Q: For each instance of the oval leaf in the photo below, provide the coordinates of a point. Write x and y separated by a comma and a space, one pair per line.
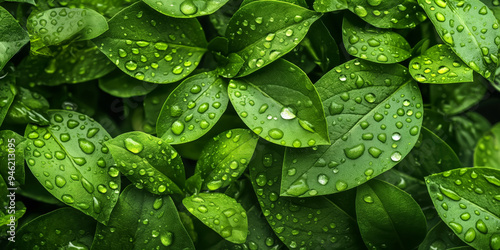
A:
294, 120
70, 160
374, 114
467, 201
193, 108
372, 44
487, 152
221, 213
186, 8
263, 31
142, 220
470, 29
12, 37
148, 162
151, 47
225, 158
384, 213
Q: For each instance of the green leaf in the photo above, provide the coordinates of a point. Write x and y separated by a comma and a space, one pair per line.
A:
372, 44
221, 213
440, 237
121, 85
108, 8
75, 63
329, 5
12, 146
470, 29
411, 185
12, 37
388, 14
467, 201
455, 98
186, 8
299, 223
225, 158
193, 108
294, 120
440, 65
55, 230
263, 31
321, 46
494, 5
69, 159
220, 18
58, 25
148, 162
142, 220
34, 190
148, 46
7, 93
22, 1
28, 107
374, 113
153, 103
10, 211
388, 217
487, 152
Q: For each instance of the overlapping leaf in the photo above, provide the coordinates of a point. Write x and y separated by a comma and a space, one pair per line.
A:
12, 37
121, 85
28, 106
440, 237
487, 152
321, 46
455, 98
7, 93
186, 8
329, 5
12, 147
374, 113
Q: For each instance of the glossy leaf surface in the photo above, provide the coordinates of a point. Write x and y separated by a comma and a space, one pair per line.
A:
121, 85
186, 8
455, 98
28, 106
440, 237
374, 113
292, 120
7, 93
329, 5
12, 147
12, 37
487, 152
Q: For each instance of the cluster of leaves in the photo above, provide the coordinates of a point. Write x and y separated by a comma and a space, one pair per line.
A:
190, 124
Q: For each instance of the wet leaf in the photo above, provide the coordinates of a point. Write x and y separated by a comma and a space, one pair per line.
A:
221, 213
28, 107
374, 114
186, 8
151, 47
440, 237
148, 162
329, 5
225, 158
12, 37
470, 29
308, 222
384, 213
260, 33
7, 94
70, 160
455, 98
12, 147
467, 201
121, 85
321, 46
220, 18
411, 185
293, 120
372, 44
153, 103
142, 220
108, 8
193, 108
487, 152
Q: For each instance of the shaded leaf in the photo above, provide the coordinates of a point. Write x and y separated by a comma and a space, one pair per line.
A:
108, 8
121, 85
220, 18
153, 103
12, 146
7, 94
487, 152
321, 46
12, 37
186, 8
440, 237
329, 5
456, 98
28, 107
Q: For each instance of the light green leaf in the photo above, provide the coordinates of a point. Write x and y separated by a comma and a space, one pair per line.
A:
385, 214
193, 108
470, 29
299, 223
28, 107
70, 160
59, 229
12, 37
374, 113
388, 14
467, 201
141, 220
440, 237
440, 65
221, 213
225, 158
453, 99
148, 162
121, 85
12, 146
294, 120
148, 46
7, 93
263, 31
487, 152
372, 44
329, 5
186, 8
59, 25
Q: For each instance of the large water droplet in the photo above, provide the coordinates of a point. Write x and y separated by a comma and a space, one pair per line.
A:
188, 7
133, 146
86, 146
287, 113
355, 151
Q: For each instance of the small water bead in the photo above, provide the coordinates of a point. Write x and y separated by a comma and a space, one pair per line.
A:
131, 65
275, 133
396, 156
396, 136
323, 179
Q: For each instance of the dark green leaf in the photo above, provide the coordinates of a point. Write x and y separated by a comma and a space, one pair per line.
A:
299, 223
107, 8
221, 213
487, 152
467, 201
141, 220
148, 162
12, 37
12, 147
7, 94
321, 46
411, 185
374, 114
153, 103
440, 237
71, 161
294, 120
22, 1
148, 46
225, 158
388, 217
28, 107
494, 5
121, 85
455, 98
329, 5
470, 29
193, 108
186, 8
10, 211
220, 18
34, 190
263, 31
373, 44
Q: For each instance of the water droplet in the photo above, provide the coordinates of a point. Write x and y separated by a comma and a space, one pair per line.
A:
275, 133
368, 199
449, 193
287, 113
298, 187
167, 238
360, 11
340, 186
396, 156
86, 146
131, 65
67, 198
323, 179
335, 108
133, 146
188, 8
60, 181
177, 127
354, 152
470, 235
